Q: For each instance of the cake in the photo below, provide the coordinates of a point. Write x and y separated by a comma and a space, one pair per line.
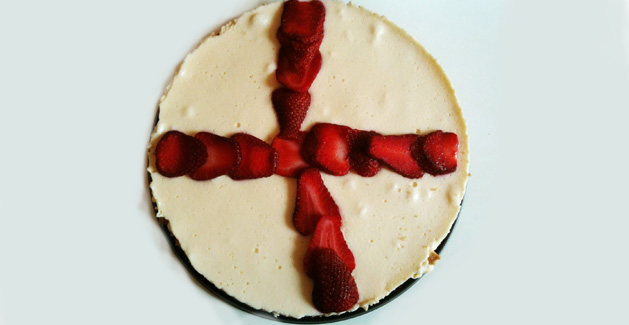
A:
239, 234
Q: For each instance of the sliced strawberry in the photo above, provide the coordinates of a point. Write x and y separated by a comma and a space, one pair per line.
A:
299, 47
223, 155
313, 201
327, 147
328, 234
363, 164
290, 163
437, 152
291, 109
258, 158
303, 21
178, 154
359, 159
396, 152
334, 289
297, 72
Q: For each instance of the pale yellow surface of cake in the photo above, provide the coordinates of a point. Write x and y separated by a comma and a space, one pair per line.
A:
240, 234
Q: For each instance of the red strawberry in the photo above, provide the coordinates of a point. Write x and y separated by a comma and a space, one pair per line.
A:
298, 47
359, 159
396, 152
297, 72
290, 163
313, 201
437, 151
291, 109
364, 165
328, 235
327, 147
178, 154
223, 155
334, 287
258, 158
302, 21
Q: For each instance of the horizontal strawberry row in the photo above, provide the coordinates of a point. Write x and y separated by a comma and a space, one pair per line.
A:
206, 156
337, 149
332, 148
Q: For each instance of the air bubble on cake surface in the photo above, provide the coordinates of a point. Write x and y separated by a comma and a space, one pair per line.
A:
188, 112
349, 35
271, 67
413, 195
453, 194
425, 194
163, 127
326, 111
377, 30
259, 21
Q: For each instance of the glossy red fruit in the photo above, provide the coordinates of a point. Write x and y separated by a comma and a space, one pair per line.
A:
291, 109
290, 163
178, 154
313, 202
328, 235
327, 147
223, 156
437, 152
299, 47
302, 21
395, 151
334, 289
297, 72
363, 164
257, 158
359, 159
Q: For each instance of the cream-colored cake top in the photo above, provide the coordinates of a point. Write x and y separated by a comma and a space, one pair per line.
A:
240, 234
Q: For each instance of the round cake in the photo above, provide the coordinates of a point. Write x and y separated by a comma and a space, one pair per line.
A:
239, 234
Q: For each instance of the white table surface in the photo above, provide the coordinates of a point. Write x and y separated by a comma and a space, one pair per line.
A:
542, 237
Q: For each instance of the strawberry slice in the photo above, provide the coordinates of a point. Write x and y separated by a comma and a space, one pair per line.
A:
396, 152
302, 21
359, 159
328, 235
327, 147
178, 154
297, 72
291, 109
334, 288
290, 163
437, 152
258, 158
223, 155
313, 201
299, 47
364, 165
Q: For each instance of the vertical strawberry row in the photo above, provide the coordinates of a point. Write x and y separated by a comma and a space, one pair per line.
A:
300, 35
328, 261
299, 60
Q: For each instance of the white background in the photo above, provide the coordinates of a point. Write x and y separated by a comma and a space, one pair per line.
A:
542, 238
